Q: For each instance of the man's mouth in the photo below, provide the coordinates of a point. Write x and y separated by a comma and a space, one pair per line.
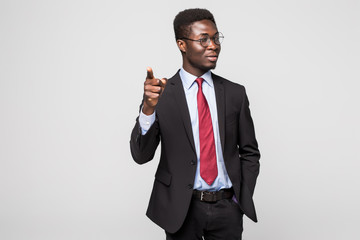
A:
212, 58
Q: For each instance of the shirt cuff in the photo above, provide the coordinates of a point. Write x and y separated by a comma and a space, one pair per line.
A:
146, 121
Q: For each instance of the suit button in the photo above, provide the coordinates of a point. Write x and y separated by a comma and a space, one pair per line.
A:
192, 162
190, 186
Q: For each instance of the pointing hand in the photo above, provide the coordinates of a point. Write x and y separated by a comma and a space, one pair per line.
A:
153, 88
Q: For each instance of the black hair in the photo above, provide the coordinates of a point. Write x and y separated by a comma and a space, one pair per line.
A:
184, 19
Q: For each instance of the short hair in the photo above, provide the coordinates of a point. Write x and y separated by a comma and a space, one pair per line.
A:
184, 19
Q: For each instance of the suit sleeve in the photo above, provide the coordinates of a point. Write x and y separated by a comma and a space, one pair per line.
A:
143, 147
248, 146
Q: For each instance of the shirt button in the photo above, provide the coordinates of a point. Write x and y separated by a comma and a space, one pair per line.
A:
148, 123
190, 186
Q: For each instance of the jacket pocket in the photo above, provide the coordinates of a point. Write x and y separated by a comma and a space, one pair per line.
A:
163, 176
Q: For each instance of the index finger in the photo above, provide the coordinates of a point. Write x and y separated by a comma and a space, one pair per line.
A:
150, 74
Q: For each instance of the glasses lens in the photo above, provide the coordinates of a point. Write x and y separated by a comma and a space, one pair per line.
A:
219, 39
205, 41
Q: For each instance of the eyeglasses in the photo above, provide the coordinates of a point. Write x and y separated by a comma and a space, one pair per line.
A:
205, 40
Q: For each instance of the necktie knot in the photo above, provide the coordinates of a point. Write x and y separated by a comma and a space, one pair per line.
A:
199, 81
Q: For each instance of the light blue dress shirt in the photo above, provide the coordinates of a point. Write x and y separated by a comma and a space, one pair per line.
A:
191, 89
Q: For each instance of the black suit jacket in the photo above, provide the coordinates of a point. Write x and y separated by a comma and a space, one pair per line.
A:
174, 178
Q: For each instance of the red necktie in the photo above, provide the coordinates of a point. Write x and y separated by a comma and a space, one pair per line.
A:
208, 165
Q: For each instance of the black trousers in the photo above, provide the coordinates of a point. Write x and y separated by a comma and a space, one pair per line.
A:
222, 220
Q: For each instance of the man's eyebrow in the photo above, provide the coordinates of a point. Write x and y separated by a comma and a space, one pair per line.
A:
206, 34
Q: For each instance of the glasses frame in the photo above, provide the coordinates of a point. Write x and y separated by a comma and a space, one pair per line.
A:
218, 35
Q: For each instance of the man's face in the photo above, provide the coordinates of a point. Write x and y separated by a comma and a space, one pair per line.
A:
198, 59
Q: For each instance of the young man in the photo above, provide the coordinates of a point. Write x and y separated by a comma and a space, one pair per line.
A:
209, 155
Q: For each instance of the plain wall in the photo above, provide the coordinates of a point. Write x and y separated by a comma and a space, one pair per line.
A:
71, 81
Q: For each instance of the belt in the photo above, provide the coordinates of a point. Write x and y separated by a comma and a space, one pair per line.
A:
206, 196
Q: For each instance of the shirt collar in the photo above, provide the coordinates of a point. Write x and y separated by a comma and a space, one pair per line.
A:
188, 79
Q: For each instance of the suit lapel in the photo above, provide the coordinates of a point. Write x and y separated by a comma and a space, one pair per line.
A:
178, 89
220, 105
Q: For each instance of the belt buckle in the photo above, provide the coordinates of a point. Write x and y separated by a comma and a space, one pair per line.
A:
207, 196
202, 196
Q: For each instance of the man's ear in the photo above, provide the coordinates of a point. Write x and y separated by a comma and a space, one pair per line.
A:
181, 45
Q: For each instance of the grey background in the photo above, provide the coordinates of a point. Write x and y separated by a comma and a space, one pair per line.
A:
71, 78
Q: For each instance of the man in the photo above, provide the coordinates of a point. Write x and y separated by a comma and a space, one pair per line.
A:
209, 155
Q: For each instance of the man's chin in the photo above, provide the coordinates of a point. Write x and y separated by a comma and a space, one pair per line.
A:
212, 66
209, 66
